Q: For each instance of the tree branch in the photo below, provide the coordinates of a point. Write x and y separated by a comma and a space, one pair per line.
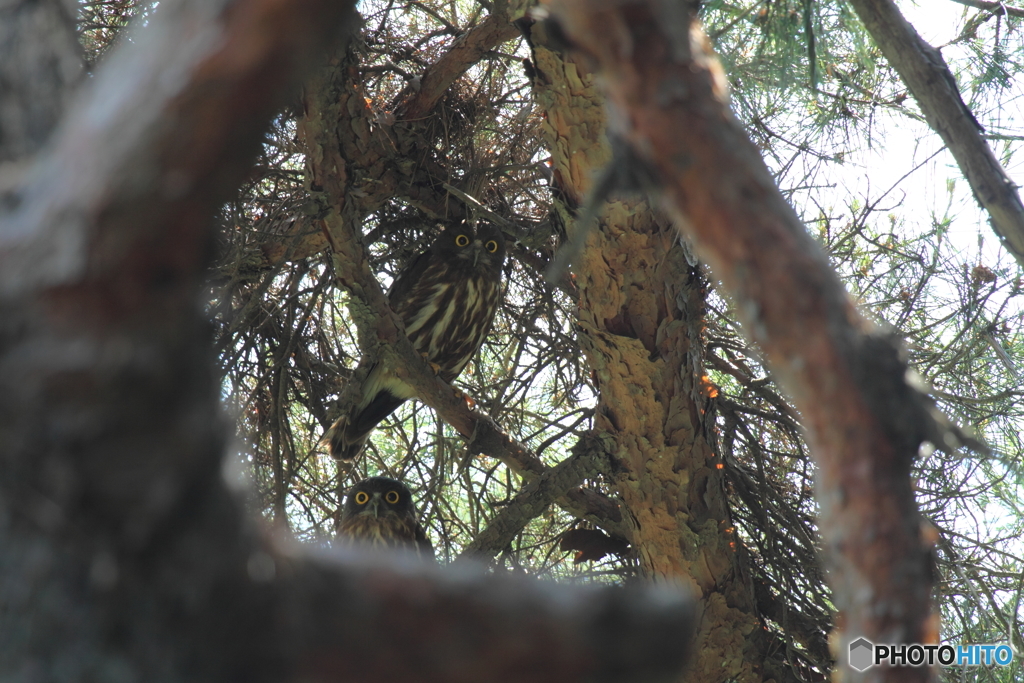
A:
40, 60
847, 380
299, 240
391, 618
993, 7
417, 101
587, 461
924, 71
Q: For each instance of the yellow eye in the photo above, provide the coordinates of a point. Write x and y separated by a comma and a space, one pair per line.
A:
362, 497
492, 246
461, 240
391, 497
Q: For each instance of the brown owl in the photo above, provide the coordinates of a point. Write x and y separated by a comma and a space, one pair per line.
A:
379, 512
447, 297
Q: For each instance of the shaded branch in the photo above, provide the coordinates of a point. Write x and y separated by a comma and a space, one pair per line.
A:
993, 7
465, 52
810, 633
587, 461
452, 626
367, 143
40, 60
924, 71
300, 240
847, 380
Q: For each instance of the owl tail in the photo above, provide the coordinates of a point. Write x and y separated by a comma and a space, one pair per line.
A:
349, 433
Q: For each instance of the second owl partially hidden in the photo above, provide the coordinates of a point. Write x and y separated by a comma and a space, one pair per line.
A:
446, 297
379, 512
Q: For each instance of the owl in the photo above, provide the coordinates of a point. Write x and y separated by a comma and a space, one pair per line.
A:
447, 297
379, 512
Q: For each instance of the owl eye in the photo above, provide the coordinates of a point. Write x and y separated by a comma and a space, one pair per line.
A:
492, 246
362, 497
391, 497
461, 240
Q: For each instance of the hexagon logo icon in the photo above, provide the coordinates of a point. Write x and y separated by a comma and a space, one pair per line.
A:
861, 654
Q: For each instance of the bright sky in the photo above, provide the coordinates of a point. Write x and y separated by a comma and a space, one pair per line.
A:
938, 22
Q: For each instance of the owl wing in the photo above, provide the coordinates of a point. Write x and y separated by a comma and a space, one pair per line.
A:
407, 279
382, 393
423, 544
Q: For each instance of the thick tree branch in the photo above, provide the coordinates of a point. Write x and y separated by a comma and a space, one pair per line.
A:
847, 380
121, 551
924, 71
386, 620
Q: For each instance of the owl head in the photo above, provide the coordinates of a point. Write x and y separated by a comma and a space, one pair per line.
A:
379, 497
379, 512
480, 248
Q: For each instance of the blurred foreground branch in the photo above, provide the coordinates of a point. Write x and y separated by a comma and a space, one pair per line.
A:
122, 552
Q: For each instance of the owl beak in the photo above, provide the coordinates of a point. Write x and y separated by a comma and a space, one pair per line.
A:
375, 504
477, 247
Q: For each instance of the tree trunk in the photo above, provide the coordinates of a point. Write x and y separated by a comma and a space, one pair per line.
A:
641, 322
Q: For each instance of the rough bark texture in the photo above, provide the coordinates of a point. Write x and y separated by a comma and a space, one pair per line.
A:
123, 556
847, 380
641, 316
924, 71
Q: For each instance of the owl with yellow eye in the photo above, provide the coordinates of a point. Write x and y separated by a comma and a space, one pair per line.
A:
446, 297
379, 512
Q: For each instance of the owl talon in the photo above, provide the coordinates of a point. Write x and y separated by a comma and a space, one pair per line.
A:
465, 397
433, 366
